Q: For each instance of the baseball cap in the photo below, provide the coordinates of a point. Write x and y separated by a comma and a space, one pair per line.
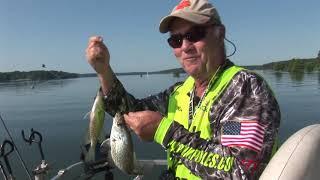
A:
196, 11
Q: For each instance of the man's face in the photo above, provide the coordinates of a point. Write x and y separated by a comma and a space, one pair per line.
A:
199, 59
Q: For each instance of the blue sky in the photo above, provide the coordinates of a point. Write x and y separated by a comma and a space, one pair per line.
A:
55, 33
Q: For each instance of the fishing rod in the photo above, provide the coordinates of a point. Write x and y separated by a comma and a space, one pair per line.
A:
90, 170
106, 167
4, 153
3, 172
16, 149
41, 170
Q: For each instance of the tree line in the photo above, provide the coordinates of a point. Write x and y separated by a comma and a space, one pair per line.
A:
295, 65
35, 75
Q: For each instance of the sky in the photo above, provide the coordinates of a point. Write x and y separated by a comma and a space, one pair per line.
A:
56, 33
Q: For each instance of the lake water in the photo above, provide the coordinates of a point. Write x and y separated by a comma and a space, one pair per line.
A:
56, 109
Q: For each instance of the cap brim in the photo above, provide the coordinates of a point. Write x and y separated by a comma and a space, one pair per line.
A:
192, 17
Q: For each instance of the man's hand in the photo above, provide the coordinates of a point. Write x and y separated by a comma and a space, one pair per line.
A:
98, 55
143, 123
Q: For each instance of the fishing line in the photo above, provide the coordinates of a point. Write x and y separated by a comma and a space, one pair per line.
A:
62, 172
16, 149
57, 77
234, 46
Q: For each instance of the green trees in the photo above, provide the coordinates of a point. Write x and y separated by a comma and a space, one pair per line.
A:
295, 65
279, 66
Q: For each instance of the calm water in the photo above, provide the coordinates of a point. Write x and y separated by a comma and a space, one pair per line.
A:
56, 109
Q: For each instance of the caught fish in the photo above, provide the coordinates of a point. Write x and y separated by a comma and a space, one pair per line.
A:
97, 116
121, 145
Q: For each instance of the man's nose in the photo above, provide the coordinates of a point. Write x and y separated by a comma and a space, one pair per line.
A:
186, 45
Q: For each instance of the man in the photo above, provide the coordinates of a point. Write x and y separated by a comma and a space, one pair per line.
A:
220, 123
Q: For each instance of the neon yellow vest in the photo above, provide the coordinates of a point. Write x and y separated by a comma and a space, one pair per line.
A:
178, 110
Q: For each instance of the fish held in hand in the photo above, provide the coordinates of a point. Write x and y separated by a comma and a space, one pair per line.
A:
121, 144
97, 116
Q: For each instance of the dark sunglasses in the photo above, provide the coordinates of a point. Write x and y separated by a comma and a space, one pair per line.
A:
195, 34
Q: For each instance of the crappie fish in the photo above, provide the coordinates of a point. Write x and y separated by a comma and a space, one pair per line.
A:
97, 115
121, 146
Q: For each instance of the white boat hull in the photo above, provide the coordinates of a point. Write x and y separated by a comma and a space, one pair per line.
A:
298, 158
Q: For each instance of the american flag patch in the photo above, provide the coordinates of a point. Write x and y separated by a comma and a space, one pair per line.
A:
249, 134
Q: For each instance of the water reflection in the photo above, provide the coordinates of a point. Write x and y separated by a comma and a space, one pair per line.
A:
278, 75
29, 85
296, 76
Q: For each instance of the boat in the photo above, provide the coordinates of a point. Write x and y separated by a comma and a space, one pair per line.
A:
298, 157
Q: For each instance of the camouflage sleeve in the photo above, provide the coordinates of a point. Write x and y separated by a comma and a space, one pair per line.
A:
244, 120
119, 100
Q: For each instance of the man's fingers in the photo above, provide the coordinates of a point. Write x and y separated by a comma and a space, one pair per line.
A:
96, 41
96, 49
95, 38
131, 117
96, 44
130, 120
126, 117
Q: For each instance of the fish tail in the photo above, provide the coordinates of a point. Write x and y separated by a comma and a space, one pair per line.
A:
91, 154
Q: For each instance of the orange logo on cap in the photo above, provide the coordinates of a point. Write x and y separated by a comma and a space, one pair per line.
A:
183, 4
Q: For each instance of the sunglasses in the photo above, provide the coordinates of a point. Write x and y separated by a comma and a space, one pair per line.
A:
195, 34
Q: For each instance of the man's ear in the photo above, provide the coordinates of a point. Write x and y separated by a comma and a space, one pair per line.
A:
221, 32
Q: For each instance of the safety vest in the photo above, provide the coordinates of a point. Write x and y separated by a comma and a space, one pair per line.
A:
178, 110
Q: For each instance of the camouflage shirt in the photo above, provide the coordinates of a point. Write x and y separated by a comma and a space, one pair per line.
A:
247, 98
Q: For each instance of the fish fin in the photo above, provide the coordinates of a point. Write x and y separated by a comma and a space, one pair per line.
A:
86, 115
96, 153
86, 136
105, 149
105, 146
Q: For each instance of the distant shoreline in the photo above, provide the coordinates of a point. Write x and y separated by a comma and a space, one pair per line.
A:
293, 65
